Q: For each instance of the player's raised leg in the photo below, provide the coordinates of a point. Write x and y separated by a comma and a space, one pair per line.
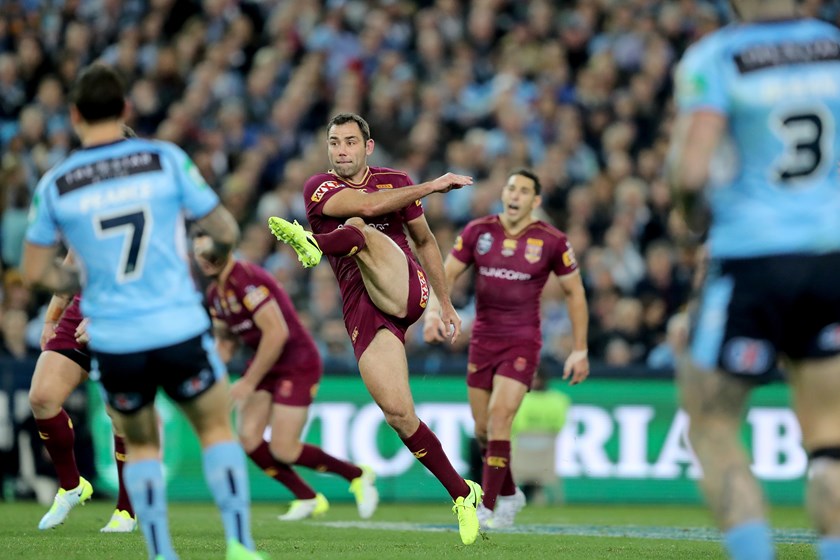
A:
55, 377
384, 370
816, 400
381, 261
714, 402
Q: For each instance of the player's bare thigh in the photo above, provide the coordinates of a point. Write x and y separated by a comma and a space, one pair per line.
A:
55, 377
208, 413
711, 395
384, 270
815, 386
384, 370
505, 400
287, 424
253, 417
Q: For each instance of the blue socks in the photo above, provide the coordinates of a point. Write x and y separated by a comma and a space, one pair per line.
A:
147, 490
829, 548
224, 471
750, 541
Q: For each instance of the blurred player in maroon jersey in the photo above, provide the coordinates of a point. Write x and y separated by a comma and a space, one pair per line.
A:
512, 255
63, 366
360, 215
249, 306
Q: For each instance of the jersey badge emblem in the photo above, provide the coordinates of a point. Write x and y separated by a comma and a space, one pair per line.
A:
533, 250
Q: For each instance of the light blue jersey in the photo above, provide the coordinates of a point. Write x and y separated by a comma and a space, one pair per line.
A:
778, 84
121, 208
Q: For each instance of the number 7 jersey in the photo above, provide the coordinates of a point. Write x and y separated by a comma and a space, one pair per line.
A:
121, 207
778, 85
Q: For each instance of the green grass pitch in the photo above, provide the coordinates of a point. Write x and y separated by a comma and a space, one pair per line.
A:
402, 531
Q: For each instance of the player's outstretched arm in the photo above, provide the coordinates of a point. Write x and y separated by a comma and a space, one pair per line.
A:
434, 329
350, 203
429, 254
576, 368
222, 228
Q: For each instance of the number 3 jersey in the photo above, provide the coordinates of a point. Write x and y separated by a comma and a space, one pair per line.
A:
778, 84
121, 207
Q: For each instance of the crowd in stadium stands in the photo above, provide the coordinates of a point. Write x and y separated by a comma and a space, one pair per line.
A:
580, 91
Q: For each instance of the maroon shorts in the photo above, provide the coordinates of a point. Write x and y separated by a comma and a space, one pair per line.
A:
363, 319
293, 388
64, 341
508, 357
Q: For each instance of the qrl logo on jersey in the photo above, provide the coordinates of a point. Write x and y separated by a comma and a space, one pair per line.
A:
424, 289
322, 190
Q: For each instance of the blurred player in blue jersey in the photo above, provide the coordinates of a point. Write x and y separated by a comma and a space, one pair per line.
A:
767, 91
120, 205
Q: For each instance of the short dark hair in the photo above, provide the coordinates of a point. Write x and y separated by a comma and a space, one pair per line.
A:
98, 94
344, 118
530, 175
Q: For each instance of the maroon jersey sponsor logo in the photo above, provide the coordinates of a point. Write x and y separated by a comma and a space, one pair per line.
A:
508, 247
424, 289
242, 327
255, 295
503, 273
459, 244
533, 250
322, 190
569, 259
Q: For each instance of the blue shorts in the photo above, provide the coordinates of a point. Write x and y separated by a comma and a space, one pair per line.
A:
184, 371
753, 311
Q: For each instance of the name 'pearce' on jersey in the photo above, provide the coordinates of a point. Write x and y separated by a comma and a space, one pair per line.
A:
106, 201
778, 84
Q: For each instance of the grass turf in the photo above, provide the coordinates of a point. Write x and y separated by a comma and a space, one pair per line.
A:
198, 535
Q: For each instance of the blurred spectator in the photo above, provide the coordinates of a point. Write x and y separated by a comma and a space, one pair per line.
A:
578, 90
13, 327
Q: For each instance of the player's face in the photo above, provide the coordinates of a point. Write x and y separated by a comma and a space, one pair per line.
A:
348, 150
519, 198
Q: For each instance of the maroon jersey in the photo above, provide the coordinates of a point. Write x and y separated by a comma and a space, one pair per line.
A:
320, 188
247, 289
511, 272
